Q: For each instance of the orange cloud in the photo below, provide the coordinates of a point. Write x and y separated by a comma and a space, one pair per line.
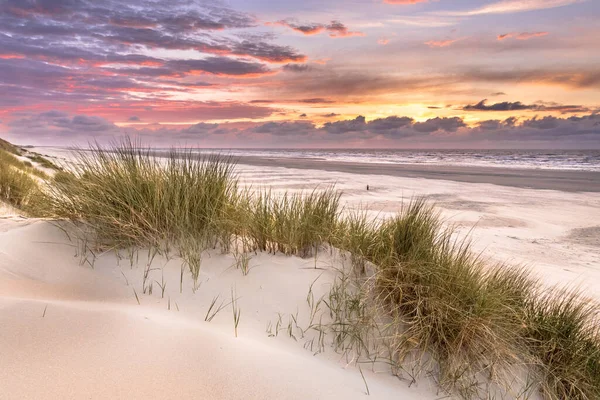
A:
441, 43
305, 29
521, 35
383, 41
11, 56
338, 30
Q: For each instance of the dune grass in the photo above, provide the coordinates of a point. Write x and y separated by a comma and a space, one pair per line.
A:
7, 158
16, 187
292, 223
8, 147
19, 184
42, 161
435, 304
131, 197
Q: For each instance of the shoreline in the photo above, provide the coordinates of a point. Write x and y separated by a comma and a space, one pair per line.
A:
561, 180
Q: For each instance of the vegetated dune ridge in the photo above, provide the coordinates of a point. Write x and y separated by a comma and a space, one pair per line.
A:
70, 331
412, 264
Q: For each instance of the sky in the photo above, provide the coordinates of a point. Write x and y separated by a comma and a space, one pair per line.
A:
302, 73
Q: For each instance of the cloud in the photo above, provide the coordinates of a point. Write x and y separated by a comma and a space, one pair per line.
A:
220, 66
268, 52
296, 128
316, 100
201, 128
338, 30
341, 127
335, 28
571, 78
59, 124
403, 2
330, 115
440, 124
296, 67
521, 35
110, 29
498, 94
548, 122
305, 29
441, 43
512, 6
517, 106
395, 131
133, 119
383, 41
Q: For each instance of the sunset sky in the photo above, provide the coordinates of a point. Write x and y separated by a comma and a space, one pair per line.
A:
302, 73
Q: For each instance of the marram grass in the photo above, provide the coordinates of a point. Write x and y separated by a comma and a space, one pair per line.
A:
437, 305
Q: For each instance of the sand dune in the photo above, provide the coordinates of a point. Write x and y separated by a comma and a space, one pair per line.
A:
71, 331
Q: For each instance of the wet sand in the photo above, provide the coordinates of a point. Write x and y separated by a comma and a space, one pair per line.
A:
567, 181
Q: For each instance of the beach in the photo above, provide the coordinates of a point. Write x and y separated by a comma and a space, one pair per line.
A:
556, 233
545, 179
84, 324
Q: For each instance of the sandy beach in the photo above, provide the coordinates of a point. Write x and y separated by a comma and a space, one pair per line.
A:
556, 233
74, 325
563, 180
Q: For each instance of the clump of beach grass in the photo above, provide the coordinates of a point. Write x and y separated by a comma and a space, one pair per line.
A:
17, 186
292, 223
562, 332
133, 198
11, 159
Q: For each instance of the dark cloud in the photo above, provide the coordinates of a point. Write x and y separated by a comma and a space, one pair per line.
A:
390, 125
335, 28
268, 52
297, 67
285, 128
504, 106
306, 28
219, 66
134, 119
554, 132
439, 124
338, 30
339, 127
498, 94
316, 100
330, 115
517, 105
548, 122
58, 123
202, 128
80, 50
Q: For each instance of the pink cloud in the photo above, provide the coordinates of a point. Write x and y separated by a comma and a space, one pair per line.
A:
305, 29
521, 35
383, 41
335, 28
321, 61
404, 1
441, 43
338, 30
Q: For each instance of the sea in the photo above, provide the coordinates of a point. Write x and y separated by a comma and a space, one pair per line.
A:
579, 160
